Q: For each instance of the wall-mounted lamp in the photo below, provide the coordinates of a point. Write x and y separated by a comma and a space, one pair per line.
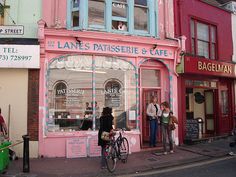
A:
154, 46
78, 40
182, 53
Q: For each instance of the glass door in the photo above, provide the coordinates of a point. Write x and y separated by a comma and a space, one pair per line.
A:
209, 112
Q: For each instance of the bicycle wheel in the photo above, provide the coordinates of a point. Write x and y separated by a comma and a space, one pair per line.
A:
110, 158
124, 150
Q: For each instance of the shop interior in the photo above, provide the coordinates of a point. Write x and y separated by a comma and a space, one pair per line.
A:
200, 113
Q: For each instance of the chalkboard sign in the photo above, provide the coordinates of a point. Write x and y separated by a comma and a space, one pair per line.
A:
192, 129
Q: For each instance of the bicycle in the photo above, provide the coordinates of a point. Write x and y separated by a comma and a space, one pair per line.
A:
116, 149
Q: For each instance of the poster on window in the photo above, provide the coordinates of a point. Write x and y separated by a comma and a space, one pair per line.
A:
76, 147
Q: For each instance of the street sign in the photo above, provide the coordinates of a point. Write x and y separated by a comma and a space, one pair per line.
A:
12, 30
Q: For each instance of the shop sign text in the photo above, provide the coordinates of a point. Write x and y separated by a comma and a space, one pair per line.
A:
109, 48
19, 56
11, 30
212, 67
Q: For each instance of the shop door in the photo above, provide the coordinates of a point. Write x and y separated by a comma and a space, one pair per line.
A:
225, 111
147, 95
209, 112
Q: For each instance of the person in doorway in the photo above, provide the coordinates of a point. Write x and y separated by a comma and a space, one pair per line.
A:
106, 124
153, 112
3, 127
165, 129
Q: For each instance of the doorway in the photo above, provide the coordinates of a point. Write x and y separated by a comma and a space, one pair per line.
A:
201, 105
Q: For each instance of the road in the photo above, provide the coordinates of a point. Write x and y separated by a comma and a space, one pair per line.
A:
224, 167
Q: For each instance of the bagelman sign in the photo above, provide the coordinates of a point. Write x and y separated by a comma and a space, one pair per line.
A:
208, 67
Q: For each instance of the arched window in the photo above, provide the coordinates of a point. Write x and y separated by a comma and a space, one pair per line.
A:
113, 93
60, 90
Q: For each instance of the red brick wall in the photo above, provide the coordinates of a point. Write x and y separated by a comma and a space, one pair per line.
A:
33, 104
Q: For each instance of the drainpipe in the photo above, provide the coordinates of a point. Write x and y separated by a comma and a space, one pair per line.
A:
180, 40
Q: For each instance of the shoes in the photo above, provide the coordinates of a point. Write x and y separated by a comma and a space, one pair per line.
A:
103, 167
165, 153
171, 151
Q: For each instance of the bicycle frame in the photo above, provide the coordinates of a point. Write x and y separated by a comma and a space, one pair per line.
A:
115, 143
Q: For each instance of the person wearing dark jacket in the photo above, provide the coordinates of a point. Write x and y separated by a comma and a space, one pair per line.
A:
106, 122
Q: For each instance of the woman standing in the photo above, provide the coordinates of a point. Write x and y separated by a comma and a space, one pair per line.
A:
106, 122
166, 132
153, 111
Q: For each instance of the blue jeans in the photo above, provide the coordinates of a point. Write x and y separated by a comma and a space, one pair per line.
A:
153, 132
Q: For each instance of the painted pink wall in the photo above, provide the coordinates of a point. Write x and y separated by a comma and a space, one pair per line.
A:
185, 9
54, 11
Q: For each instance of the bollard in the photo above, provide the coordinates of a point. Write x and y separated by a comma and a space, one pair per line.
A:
26, 165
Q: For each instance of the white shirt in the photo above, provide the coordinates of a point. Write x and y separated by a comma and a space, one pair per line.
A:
151, 110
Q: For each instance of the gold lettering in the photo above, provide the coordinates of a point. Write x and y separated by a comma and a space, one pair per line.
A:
230, 69
204, 67
199, 65
213, 67
224, 69
208, 66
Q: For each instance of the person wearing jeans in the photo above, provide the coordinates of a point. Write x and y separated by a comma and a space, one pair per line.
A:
153, 111
166, 132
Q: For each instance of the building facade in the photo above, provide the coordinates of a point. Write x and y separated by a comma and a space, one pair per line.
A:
207, 73
103, 53
19, 70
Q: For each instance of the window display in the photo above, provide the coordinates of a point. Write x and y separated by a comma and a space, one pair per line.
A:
71, 82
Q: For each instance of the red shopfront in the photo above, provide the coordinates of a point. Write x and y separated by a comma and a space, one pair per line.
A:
207, 99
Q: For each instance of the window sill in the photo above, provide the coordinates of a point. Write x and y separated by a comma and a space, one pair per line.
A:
82, 133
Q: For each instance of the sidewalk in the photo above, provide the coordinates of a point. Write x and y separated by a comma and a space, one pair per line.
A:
137, 162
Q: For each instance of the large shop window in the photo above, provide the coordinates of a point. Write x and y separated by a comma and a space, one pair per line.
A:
80, 86
118, 16
203, 39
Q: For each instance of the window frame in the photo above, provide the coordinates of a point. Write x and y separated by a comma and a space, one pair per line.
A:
152, 11
194, 39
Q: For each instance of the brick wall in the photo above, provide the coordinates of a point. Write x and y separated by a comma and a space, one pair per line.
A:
33, 104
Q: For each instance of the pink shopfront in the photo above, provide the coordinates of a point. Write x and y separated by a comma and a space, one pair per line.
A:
82, 72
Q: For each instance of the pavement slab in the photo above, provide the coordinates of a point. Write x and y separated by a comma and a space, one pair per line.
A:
137, 162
